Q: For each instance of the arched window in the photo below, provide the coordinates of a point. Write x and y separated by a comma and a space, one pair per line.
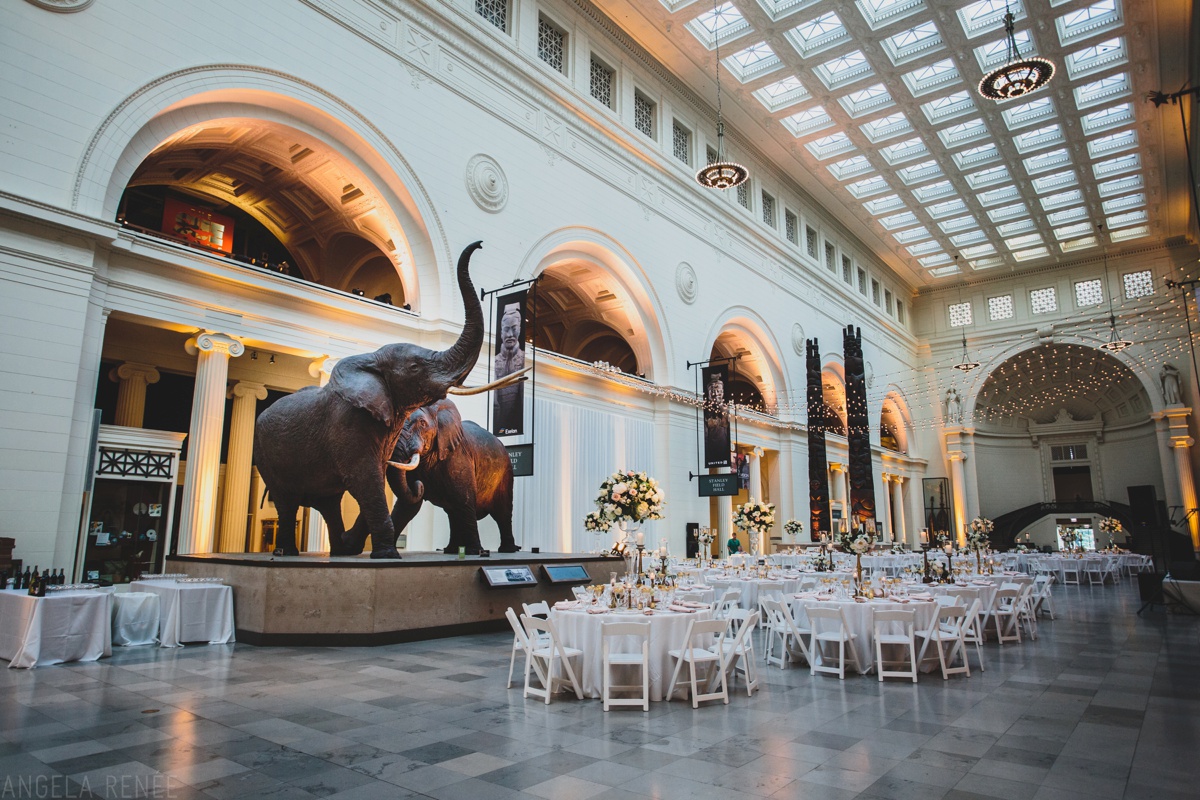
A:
580, 316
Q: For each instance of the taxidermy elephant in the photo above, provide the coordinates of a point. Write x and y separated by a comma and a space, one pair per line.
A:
464, 470
313, 446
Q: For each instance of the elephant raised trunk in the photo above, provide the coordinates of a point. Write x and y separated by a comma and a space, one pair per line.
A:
456, 363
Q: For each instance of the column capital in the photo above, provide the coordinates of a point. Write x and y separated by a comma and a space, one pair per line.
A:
1182, 441
133, 369
956, 455
1172, 413
247, 389
835, 466
212, 342
322, 367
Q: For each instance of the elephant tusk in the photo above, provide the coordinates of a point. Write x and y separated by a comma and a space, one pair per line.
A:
499, 383
411, 465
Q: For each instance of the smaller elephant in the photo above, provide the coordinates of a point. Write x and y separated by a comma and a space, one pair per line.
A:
464, 470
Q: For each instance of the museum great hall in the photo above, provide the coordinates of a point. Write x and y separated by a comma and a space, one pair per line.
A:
207, 207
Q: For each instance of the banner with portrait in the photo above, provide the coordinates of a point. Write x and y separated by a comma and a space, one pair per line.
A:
508, 404
197, 225
717, 443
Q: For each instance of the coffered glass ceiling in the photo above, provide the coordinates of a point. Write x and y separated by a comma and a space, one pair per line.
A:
880, 97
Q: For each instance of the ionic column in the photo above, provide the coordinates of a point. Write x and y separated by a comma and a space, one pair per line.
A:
132, 379
756, 492
1187, 485
898, 532
837, 491
958, 480
724, 519
197, 517
317, 540
236, 498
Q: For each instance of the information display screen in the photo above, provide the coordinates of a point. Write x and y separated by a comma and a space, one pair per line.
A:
513, 575
566, 573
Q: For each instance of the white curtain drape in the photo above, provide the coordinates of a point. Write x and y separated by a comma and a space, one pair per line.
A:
576, 449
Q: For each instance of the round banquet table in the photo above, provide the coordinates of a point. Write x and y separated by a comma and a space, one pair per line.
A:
858, 620
581, 630
748, 587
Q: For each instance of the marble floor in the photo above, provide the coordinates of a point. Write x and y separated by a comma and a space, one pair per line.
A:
1105, 705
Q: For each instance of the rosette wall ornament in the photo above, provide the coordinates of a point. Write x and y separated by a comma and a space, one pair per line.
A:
487, 183
62, 6
1018, 76
719, 173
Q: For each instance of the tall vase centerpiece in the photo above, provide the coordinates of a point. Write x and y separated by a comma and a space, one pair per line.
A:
755, 519
627, 499
856, 542
793, 528
705, 540
1112, 527
979, 538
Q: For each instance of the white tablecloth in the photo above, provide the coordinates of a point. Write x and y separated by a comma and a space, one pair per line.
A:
135, 619
581, 630
748, 587
191, 612
62, 626
858, 620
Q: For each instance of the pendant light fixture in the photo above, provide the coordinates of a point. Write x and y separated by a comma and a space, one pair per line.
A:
720, 174
1115, 343
966, 365
1019, 76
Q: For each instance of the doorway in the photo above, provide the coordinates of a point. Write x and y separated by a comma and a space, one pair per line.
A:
1073, 484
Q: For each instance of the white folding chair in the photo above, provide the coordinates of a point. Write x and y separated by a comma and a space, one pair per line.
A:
728, 602
707, 652
738, 652
541, 610
768, 590
520, 643
1003, 615
944, 600
1026, 618
1042, 595
947, 627
545, 650
885, 624
791, 635
808, 583
1070, 571
829, 627
973, 631
640, 630
1093, 569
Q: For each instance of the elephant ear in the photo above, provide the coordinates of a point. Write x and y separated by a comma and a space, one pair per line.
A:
359, 381
449, 428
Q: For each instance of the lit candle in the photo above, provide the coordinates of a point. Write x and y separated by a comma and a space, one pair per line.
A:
641, 538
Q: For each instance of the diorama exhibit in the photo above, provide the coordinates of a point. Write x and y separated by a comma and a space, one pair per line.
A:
599, 398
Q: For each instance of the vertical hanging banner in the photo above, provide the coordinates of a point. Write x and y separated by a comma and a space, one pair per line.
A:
717, 443
508, 404
818, 467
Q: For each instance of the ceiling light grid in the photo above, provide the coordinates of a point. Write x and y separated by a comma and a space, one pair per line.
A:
878, 96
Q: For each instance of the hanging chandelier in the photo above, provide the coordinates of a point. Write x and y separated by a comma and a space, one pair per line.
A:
966, 365
1019, 76
1115, 343
720, 174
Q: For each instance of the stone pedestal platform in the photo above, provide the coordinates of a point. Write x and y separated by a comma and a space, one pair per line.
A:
338, 601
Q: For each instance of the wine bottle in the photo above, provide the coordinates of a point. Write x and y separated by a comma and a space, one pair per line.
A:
3, 579
62, 577
25, 580
32, 588
43, 583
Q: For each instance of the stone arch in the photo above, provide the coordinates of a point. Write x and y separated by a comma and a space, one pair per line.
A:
833, 392
207, 93
895, 418
1128, 358
626, 303
741, 329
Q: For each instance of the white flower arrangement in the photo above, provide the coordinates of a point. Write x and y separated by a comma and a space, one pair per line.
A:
793, 527
855, 542
821, 561
754, 517
978, 533
898, 548
1110, 525
626, 496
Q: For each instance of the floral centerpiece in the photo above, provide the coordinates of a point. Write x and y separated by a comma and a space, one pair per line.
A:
1111, 526
821, 562
626, 499
755, 518
1069, 539
856, 542
793, 527
978, 537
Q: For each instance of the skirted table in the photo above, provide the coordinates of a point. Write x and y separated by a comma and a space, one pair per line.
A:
72, 625
191, 612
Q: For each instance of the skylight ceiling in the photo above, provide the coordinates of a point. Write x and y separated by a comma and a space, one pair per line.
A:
879, 98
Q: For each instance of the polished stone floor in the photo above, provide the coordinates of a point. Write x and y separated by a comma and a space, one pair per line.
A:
1105, 705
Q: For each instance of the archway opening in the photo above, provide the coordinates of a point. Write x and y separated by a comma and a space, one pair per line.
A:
893, 425
264, 194
833, 396
581, 314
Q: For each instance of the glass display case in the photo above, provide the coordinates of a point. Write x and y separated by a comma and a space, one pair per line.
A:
131, 509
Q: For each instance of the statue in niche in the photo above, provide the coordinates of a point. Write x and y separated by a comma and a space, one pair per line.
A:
953, 407
1169, 378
